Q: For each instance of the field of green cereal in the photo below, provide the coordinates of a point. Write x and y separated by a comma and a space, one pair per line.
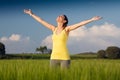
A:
81, 69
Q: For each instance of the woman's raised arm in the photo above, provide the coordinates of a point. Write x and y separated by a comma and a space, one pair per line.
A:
75, 26
37, 18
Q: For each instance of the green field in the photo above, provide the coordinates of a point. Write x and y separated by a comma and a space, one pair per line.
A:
38, 69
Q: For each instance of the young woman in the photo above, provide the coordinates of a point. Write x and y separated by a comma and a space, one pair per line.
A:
60, 54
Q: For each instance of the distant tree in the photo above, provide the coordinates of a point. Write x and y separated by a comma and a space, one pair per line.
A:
41, 49
113, 52
101, 54
49, 51
2, 49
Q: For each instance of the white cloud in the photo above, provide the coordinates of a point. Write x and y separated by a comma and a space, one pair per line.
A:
17, 43
94, 38
4, 39
47, 41
15, 37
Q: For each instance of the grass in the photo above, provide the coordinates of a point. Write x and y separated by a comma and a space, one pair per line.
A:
81, 69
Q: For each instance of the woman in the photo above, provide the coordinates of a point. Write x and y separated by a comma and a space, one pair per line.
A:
60, 55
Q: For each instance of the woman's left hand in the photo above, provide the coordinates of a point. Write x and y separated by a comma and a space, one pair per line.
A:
96, 18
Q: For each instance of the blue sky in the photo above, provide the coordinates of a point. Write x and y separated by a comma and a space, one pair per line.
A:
20, 33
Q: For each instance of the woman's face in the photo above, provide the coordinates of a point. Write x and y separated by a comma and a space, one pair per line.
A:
61, 19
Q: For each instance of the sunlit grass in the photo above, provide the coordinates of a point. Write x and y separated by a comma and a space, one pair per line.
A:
81, 69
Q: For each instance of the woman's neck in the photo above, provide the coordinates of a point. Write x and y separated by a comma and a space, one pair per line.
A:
60, 26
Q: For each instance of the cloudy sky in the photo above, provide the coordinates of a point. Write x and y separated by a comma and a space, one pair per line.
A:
21, 33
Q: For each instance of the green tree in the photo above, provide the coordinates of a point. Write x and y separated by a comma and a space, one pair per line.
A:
113, 52
101, 54
2, 49
42, 49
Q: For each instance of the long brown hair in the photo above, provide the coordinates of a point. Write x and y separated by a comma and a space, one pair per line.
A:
65, 24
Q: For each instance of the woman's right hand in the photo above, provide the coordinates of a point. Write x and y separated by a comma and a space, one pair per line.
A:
29, 11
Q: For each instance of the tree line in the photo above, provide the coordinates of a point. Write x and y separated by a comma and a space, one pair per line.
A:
111, 52
2, 49
43, 50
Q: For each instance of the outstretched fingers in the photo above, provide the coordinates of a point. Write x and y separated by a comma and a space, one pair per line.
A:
96, 18
28, 11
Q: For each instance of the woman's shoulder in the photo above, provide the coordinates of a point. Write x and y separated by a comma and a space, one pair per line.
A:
54, 29
66, 31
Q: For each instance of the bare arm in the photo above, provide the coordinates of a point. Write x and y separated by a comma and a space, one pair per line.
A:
75, 26
49, 26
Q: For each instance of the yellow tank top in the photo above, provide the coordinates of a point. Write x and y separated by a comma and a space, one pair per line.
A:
60, 50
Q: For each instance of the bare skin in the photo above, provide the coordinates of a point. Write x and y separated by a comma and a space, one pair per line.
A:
60, 22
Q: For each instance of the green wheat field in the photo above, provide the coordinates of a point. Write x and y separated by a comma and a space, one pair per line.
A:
81, 69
